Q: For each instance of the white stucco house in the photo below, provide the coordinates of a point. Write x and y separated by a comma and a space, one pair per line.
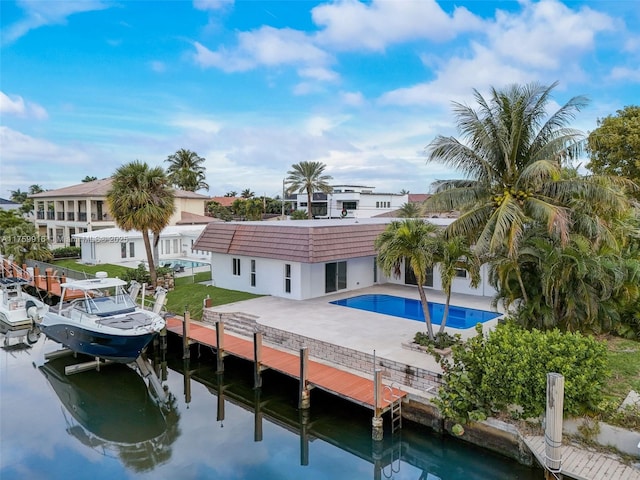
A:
113, 245
307, 258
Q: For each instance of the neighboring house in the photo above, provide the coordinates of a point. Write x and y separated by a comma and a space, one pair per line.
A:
60, 214
224, 201
350, 201
113, 245
305, 259
8, 204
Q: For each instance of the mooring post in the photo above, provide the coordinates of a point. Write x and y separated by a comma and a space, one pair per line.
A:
553, 425
257, 416
377, 431
305, 396
304, 437
25, 274
220, 345
257, 359
48, 273
36, 277
163, 354
185, 334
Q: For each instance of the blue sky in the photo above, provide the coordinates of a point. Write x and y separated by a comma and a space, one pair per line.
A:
255, 86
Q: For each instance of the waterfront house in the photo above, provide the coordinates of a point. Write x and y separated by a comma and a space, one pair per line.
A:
305, 259
60, 214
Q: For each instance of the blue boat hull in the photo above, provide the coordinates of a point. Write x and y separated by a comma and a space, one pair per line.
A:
117, 348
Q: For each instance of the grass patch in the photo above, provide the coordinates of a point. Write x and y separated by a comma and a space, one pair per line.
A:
191, 296
191, 279
624, 364
112, 270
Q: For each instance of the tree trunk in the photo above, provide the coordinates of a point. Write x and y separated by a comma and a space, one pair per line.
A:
147, 247
425, 310
309, 196
445, 314
156, 255
524, 292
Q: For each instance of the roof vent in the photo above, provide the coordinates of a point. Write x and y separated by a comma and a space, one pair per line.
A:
101, 275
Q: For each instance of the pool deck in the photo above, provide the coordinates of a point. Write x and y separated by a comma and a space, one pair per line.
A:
357, 329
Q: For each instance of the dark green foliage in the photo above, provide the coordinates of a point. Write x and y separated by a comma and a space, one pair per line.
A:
66, 252
441, 340
508, 368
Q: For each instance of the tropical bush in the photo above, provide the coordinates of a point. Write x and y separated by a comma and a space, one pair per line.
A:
506, 370
66, 252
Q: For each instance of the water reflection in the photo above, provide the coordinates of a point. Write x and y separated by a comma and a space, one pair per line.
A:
112, 412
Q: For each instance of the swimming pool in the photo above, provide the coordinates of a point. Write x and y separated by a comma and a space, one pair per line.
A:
185, 264
459, 317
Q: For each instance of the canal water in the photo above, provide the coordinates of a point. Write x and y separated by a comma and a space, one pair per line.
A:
107, 425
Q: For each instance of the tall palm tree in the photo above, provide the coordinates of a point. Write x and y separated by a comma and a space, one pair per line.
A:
142, 199
18, 196
409, 210
512, 154
247, 193
186, 170
415, 242
308, 177
25, 242
455, 254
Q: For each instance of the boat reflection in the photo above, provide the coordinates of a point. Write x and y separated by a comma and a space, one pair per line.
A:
112, 412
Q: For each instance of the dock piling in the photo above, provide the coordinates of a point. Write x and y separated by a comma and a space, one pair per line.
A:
185, 334
220, 345
377, 430
553, 425
305, 395
257, 359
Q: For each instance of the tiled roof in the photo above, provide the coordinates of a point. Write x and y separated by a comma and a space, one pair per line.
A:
99, 188
304, 243
188, 218
224, 201
418, 197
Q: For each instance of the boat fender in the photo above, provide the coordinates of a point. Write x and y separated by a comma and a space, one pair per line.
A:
32, 310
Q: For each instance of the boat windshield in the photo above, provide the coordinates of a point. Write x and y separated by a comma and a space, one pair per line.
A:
118, 302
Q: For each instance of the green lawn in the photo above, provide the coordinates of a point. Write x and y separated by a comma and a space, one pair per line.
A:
624, 363
112, 270
191, 297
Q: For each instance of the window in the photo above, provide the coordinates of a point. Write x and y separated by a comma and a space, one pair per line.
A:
123, 250
349, 205
287, 278
377, 204
236, 267
253, 273
176, 246
461, 273
335, 276
167, 246
303, 204
132, 249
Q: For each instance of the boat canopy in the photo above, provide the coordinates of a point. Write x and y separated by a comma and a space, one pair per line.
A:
94, 284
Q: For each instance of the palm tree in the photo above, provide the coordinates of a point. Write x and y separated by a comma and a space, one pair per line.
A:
186, 170
409, 210
89, 178
308, 177
455, 254
18, 196
415, 242
141, 199
512, 155
24, 242
247, 193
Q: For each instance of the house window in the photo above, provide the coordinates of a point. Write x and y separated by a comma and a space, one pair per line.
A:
335, 276
176, 246
236, 267
167, 246
287, 278
303, 204
461, 273
132, 249
377, 204
349, 205
253, 273
123, 250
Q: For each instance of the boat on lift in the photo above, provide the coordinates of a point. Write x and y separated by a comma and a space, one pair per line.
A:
20, 313
101, 320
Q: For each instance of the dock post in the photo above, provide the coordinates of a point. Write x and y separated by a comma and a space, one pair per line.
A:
377, 430
257, 416
220, 411
163, 354
553, 425
185, 334
220, 345
305, 395
48, 272
24, 274
36, 276
257, 359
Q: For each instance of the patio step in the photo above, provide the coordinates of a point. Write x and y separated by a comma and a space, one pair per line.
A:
243, 324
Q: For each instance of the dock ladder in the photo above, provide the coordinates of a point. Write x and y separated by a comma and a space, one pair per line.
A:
396, 408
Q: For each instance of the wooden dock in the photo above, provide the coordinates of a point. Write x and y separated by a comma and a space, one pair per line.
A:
344, 384
582, 464
49, 282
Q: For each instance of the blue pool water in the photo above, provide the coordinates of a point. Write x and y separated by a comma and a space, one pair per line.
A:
187, 263
459, 317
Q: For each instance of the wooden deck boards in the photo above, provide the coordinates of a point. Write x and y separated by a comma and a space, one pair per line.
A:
331, 379
583, 464
54, 286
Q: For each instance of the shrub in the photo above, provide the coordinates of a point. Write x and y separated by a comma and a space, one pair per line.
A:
509, 367
139, 274
66, 252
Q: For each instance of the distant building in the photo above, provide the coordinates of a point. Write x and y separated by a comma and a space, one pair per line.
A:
60, 214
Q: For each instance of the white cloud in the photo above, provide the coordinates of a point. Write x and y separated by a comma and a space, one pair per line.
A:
212, 4
18, 147
353, 99
624, 73
15, 105
353, 25
197, 123
40, 13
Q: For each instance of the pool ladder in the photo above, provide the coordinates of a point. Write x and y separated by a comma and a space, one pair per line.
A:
396, 407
